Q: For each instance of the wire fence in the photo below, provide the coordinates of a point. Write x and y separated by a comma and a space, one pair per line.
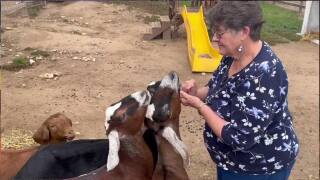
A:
11, 7
292, 5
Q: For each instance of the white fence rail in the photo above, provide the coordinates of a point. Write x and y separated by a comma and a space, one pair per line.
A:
293, 5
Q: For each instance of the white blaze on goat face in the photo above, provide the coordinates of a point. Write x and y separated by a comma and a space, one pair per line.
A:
170, 135
150, 112
114, 146
109, 112
167, 81
142, 97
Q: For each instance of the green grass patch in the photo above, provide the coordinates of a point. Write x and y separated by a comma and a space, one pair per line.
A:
281, 25
33, 11
187, 3
149, 19
17, 64
152, 7
28, 49
40, 53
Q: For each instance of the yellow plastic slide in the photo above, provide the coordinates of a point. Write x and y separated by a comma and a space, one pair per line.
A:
202, 56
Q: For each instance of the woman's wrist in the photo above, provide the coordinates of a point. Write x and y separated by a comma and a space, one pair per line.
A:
201, 106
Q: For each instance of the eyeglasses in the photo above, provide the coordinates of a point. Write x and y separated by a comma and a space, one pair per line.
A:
218, 35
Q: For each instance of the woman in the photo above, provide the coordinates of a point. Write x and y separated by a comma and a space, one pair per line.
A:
248, 127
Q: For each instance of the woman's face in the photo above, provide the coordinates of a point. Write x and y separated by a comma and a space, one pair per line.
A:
227, 40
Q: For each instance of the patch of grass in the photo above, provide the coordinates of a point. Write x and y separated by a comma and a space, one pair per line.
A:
281, 25
273, 39
152, 7
40, 53
33, 11
28, 49
17, 64
149, 19
187, 3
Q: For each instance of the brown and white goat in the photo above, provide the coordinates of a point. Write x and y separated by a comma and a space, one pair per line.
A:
129, 157
56, 129
163, 117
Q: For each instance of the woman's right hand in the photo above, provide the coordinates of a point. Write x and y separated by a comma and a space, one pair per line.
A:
190, 100
190, 87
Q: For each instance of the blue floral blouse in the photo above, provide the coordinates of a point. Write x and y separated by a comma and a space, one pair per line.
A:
259, 138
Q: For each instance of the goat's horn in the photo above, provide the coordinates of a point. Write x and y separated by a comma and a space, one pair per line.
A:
170, 135
114, 146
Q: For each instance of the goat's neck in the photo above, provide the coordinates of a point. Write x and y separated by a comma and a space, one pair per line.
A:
170, 163
135, 154
133, 144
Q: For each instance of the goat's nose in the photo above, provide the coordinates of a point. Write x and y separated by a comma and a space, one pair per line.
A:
173, 75
175, 80
71, 133
171, 81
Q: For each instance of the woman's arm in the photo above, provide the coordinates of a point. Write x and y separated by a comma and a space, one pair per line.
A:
214, 121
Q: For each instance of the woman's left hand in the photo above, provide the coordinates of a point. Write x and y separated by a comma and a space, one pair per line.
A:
190, 100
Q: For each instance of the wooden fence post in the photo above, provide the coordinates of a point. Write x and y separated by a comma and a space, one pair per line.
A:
300, 7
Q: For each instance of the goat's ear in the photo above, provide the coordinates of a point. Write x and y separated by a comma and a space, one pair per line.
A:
41, 136
153, 86
114, 146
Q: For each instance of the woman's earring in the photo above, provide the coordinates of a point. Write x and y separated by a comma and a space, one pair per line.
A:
240, 49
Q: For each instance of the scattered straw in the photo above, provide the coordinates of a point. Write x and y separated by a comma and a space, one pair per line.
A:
17, 139
310, 36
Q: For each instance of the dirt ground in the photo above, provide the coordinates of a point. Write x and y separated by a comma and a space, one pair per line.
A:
98, 52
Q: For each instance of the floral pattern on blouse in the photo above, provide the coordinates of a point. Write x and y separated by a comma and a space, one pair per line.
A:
259, 137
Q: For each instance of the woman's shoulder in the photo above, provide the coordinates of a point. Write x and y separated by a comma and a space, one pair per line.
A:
267, 51
267, 61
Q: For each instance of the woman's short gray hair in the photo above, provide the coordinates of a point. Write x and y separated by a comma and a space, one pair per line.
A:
236, 15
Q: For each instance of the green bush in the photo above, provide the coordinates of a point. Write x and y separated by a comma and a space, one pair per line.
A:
17, 64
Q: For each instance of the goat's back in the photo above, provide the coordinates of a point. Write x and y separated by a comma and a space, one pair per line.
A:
66, 160
135, 163
11, 161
